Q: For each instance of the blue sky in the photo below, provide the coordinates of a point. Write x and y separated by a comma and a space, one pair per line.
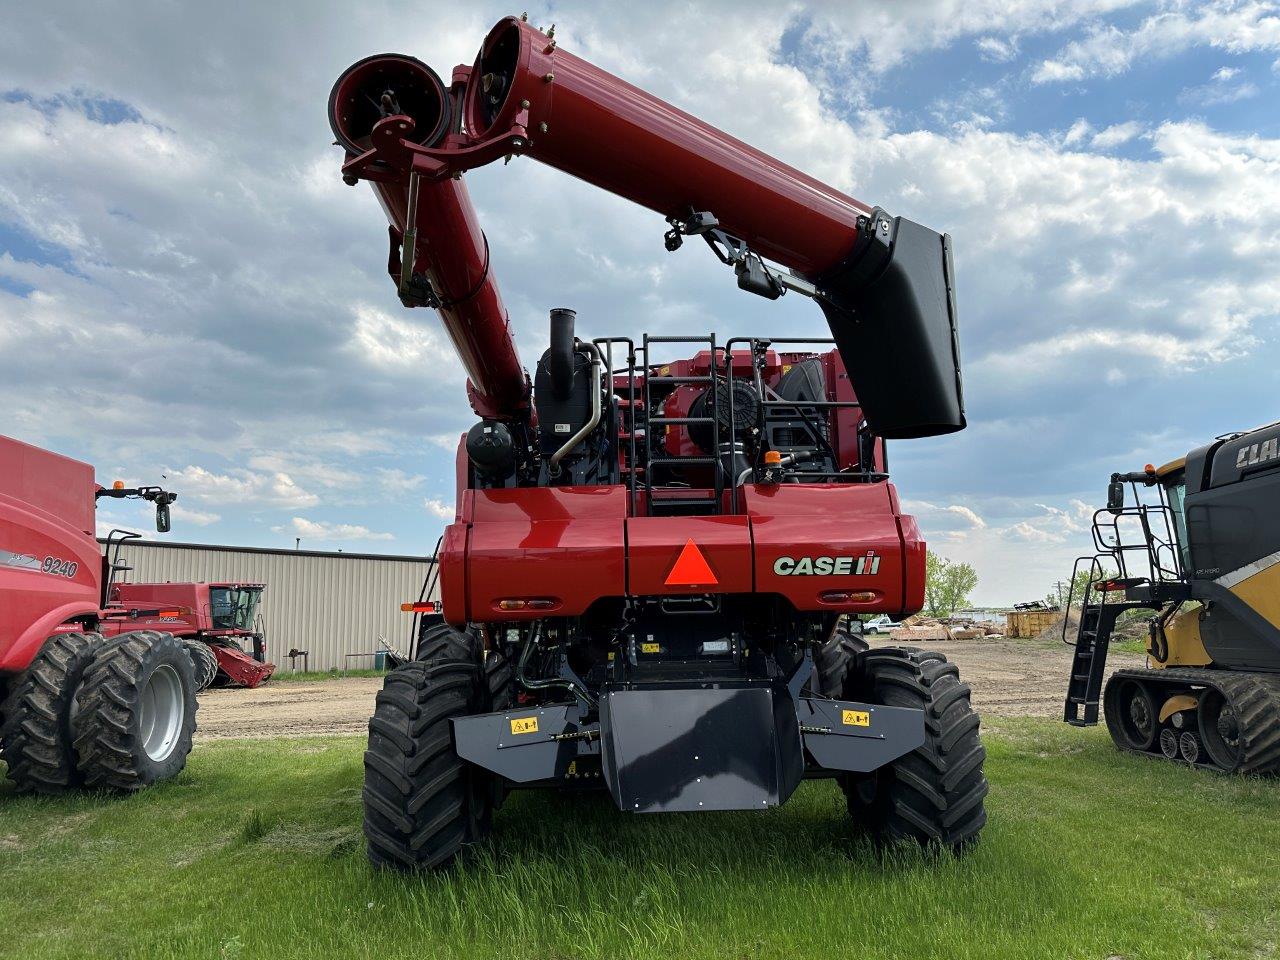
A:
187, 290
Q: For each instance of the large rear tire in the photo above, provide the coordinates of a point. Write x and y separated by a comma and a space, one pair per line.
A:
933, 795
137, 712
36, 738
423, 804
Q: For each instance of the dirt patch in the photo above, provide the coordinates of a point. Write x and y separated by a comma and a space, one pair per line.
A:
325, 707
1011, 678
1016, 678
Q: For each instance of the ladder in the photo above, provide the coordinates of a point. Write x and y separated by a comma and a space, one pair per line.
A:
1093, 638
674, 500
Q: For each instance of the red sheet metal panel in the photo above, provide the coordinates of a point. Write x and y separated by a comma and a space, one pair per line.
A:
558, 545
656, 544
814, 542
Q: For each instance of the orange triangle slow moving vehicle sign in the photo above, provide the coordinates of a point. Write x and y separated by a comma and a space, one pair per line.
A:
691, 569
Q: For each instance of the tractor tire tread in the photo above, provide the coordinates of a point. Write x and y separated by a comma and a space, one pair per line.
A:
934, 794
417, 808
35, 738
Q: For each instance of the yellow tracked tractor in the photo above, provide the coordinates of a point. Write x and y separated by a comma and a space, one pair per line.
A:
1198, 542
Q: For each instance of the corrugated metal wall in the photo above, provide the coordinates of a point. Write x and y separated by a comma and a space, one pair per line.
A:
331, 604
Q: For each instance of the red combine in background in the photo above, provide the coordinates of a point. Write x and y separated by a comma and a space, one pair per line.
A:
644, 584
216, 620
76, 708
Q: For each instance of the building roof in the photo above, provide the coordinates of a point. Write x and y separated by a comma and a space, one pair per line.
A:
282, 551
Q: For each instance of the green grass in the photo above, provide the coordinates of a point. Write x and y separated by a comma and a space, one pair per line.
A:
1137, 647
255, 851
313, 676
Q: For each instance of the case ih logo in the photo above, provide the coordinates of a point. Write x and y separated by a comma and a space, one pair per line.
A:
1256, 453
827, 566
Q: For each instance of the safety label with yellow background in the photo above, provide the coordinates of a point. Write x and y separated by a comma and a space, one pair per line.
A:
855, 718
524, 725
650, 648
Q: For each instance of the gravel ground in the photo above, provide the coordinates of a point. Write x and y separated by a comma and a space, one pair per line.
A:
1010, 678
1016, 678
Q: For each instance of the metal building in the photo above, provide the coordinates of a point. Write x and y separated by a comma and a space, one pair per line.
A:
330, 604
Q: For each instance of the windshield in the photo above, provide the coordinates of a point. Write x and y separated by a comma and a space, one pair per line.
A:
234, 608
1177, 493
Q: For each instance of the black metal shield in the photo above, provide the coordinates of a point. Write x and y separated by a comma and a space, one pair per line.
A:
692, 749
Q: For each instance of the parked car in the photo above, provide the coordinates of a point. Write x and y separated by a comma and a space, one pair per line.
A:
880, 624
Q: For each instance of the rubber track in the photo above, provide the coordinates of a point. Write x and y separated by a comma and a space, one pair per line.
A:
1255, 698
35, 738
106, 735
417, 813
933, 795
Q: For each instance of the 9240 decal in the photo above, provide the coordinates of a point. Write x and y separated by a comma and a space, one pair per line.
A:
54, 566
59, 567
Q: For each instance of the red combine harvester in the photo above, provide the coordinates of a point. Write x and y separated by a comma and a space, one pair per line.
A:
653, 552
75, 708
214, 620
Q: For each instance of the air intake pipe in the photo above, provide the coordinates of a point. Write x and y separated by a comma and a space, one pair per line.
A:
560, 356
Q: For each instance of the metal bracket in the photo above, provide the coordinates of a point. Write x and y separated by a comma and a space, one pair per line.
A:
413, 288
392, 153
754, 275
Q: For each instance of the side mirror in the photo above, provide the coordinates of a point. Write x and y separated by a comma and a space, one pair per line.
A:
1115, 496
163, 520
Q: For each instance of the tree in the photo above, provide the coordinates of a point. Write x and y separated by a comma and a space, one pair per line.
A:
1076, 587
947, 585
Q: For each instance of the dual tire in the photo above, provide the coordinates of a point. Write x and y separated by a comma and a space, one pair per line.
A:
203, 662
117, 714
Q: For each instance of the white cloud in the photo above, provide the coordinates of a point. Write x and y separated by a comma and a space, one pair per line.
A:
1221, 88
397, 482
1116, 134
319, 530
1078, 131
240, 488
438, 508
1107, 50
886, 34
997, 49
200, 518
407, 343
967, 514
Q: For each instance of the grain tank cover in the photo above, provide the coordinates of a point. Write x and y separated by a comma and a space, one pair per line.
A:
53, 484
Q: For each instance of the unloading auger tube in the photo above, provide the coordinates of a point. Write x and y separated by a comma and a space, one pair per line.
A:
884, 283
